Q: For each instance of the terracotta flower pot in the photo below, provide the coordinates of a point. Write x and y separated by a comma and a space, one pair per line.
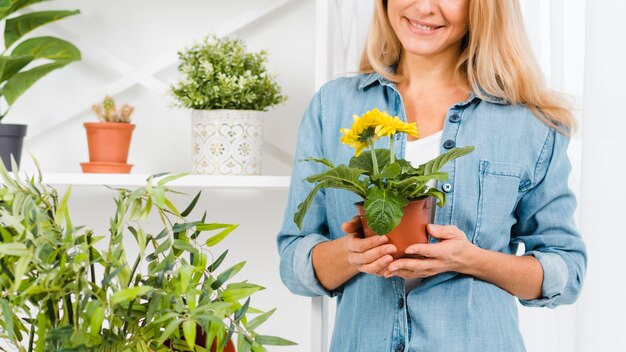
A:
108, 143
412, 228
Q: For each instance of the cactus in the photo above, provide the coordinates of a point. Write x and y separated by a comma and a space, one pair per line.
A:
107, 111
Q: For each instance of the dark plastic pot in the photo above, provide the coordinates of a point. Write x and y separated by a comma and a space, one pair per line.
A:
11, 141
412, 228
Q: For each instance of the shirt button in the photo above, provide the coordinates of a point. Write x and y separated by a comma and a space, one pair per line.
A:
400, 303
455, 118
397, 136
449, 144
399, 347
447, 187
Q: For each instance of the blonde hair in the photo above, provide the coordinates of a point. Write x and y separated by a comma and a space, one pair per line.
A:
496, 58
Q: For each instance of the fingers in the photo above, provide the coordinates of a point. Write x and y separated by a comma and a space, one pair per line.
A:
444, 232
370, 255
412, 268
352, 226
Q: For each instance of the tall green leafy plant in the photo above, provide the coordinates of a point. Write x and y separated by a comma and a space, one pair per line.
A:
24, 62
58, 292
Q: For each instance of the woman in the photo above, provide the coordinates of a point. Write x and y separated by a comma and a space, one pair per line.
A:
463, 71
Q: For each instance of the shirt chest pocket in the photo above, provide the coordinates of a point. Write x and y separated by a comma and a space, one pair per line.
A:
501, 185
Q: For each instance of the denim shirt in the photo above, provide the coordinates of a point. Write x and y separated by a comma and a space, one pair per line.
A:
511, 190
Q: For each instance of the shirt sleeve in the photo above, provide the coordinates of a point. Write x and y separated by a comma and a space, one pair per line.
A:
294, 245
546, 227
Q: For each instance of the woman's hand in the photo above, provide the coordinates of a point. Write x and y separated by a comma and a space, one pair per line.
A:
369, 255
450, 254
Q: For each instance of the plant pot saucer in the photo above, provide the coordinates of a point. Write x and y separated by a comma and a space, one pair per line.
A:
97, 167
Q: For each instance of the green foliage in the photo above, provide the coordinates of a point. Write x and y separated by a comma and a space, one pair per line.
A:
59, 292
24, 63
218, 73
385, 192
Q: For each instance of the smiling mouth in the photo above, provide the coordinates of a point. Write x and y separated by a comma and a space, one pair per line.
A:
423, 27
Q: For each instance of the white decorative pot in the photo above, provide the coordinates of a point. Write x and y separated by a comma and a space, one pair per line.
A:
227, 142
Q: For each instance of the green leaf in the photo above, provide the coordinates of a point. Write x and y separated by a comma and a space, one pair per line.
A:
20, 270
298, 217
217, 262
390, 171
220, 236
8, 7
191, 205
13, 249
185, 273
47, 48
169, 330
16, 27
170, 178
10, 65
273, 340
226, 275
242, 311
254, 323
322, 161
341, 177
235, 292
189, 330
438, 195
364, 160
436, 164
383, 210
20, 82
96, 321
7, 315
61, 211
130, 293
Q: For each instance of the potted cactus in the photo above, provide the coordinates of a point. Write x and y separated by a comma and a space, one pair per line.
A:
109, 139
24, 62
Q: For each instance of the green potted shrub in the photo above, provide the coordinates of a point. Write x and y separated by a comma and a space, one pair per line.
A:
227, 89
397, 197
60, 292
109, 139
24, 62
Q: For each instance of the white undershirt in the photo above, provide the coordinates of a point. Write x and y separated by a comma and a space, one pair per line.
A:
419, 152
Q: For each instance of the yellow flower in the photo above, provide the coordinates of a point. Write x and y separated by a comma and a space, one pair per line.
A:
371, 126
394, 125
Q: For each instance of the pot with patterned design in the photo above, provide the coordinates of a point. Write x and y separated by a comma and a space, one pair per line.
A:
227, 142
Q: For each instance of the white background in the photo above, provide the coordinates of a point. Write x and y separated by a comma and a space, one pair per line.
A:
129, 51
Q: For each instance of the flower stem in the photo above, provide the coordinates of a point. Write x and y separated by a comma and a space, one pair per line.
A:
392, 152
374, 159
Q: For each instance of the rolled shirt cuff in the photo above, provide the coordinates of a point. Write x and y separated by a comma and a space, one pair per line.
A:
555, 275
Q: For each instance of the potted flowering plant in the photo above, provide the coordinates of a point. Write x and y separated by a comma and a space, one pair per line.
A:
228, 89
397, 197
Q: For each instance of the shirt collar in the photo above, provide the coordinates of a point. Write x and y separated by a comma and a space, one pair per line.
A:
368, 80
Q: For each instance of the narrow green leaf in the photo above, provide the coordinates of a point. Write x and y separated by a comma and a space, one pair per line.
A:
170, 178
169, 330
242, 311
254, 323
227, 274
96, 320
217, 262
50, 48
61, 211
235, 292
185, 246
7, 315
436, 164
273, 340
130, 293
189, 330
13, 249
185, 273
220, 236
191, 205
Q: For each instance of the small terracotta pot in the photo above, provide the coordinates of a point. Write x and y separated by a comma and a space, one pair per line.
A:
412, 227
109, 141
105, 168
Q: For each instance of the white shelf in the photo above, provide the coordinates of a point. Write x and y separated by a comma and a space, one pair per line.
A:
191, 181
